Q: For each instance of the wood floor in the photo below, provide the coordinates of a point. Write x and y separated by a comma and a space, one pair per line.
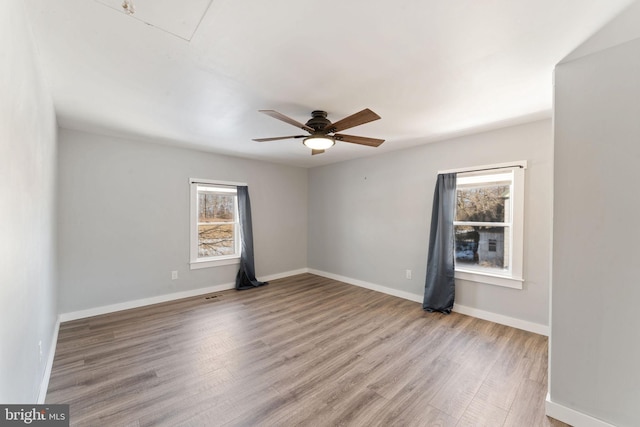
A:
304, 350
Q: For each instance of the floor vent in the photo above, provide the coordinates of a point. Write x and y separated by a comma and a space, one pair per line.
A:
211, 297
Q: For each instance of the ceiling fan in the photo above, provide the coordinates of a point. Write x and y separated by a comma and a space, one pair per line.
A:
323, 133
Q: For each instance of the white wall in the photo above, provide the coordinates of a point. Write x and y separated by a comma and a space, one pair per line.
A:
124, 218
27, 184
595, 346
369, 218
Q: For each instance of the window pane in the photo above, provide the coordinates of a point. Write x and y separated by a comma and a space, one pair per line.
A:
484, 247
488, 203
216, 240
214, 207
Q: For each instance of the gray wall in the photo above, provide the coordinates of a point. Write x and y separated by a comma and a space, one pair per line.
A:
369, 218
27, 183
124, 218
595, 349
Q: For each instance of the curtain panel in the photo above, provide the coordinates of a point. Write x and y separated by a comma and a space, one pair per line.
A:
246, 277
439, 290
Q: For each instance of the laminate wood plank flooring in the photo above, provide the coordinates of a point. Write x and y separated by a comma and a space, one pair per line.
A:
302, 351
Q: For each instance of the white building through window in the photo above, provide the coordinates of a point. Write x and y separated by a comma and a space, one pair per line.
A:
215, 228
489, 225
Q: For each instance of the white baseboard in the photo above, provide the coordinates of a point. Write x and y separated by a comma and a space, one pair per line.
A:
283, 275
525, 325
44, 384
469, 311
372, 286
571, 416
111, 308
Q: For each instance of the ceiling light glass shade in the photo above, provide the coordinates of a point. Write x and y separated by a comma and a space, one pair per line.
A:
319, 142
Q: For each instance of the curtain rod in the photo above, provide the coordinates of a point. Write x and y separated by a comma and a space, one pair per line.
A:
522, 164
216, 182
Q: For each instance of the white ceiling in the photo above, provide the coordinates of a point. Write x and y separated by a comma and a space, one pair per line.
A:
193, 73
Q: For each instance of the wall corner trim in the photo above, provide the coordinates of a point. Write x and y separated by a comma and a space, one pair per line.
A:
44, 384
571, 416
469, 311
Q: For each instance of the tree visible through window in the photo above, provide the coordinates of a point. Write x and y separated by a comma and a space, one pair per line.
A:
214, 224
483, 221
489, 224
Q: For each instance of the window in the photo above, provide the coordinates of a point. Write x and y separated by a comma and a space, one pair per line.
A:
215, 228
489, 226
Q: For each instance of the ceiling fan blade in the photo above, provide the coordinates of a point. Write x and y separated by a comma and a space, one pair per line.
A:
286, 119
278, 138
357, 119
362, 140
314, 152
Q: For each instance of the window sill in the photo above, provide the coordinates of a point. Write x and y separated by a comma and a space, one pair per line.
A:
195, 265
490, 279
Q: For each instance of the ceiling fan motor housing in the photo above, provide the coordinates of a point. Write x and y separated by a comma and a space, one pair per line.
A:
319, 121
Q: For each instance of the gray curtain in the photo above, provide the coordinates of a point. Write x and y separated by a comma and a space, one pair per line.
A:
246, 277
439, 289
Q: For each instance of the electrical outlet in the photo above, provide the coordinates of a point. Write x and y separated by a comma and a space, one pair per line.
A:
408, 274
174, 274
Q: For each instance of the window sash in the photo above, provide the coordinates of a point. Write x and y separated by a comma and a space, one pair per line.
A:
199, 186
474, 179
235, 223
483, 224
481, 250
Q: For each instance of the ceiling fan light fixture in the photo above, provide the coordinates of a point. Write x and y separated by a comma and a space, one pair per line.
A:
319, 142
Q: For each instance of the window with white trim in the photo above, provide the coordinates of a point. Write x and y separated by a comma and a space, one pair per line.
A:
489, 226
215, 228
